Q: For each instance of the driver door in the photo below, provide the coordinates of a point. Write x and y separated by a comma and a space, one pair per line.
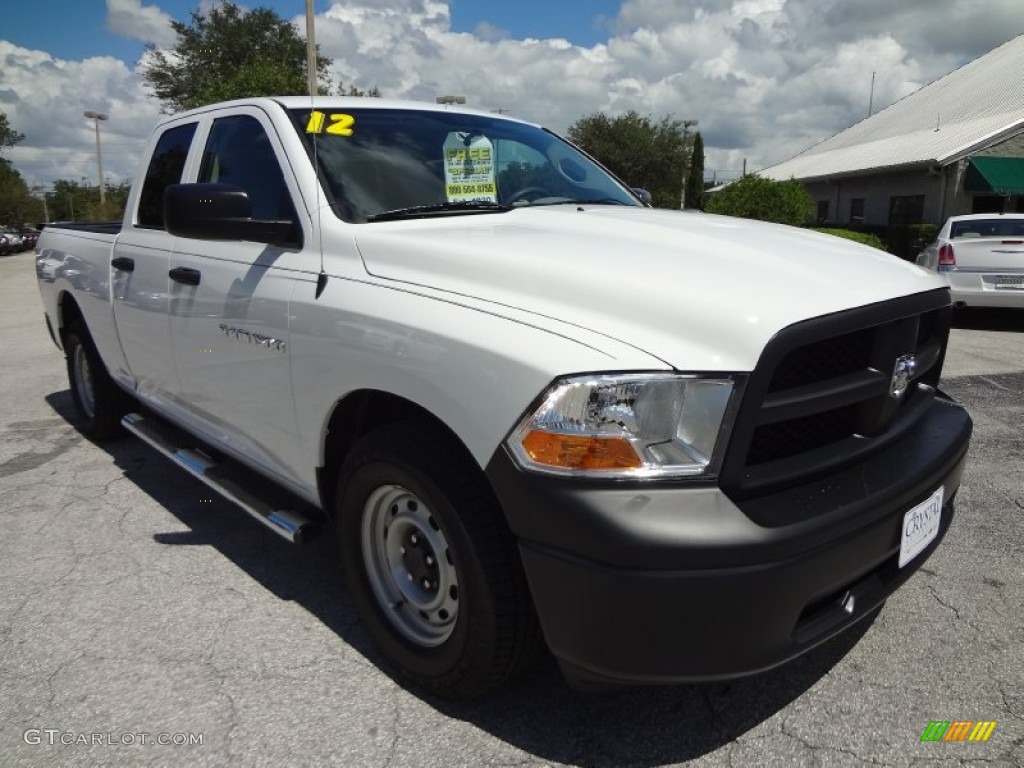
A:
229, 306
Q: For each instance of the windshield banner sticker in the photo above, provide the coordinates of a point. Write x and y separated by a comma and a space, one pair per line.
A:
469, 168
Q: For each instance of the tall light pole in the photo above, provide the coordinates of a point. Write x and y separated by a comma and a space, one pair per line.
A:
42, 193
311, 48
686, 161
97, 116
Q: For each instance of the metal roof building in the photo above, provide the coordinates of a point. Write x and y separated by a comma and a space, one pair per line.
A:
954, 146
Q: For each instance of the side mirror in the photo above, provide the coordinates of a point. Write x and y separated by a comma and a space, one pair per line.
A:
221, 212
644, 195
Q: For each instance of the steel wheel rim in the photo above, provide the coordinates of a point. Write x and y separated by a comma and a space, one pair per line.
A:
410, 565
83, 381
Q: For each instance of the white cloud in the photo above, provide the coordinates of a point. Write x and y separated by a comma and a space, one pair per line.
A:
44, 98
130, 18
765, 78
489, 32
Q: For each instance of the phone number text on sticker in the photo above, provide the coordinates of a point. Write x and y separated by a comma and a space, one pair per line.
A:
471, 189
920, 527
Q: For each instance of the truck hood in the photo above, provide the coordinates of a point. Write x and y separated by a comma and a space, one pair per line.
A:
700, 292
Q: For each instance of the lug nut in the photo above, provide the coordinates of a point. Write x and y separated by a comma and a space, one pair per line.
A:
426, 583
413, 540
430, 560
409, 575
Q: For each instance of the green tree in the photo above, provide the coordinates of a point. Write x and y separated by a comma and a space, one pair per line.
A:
693, 195
754, 197
68, 200
641, 152
113, 208
8, 136
80, 200
352, 90
861, 237
230, 53
17, 206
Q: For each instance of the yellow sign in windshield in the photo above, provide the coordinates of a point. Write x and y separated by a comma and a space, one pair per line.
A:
340, 124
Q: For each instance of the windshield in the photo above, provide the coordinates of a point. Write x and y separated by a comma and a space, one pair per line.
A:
380, 164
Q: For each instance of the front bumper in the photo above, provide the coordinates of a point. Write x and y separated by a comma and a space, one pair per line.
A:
654, 583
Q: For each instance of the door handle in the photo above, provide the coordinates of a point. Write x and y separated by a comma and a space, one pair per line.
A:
185, 275
123, 263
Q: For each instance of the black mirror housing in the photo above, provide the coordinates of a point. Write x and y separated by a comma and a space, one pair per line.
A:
220, 212
644, 196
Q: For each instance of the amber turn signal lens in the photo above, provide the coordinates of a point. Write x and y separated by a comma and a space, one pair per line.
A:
580, 451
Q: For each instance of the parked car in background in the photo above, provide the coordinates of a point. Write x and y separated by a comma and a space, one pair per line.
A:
981, 255
29, 238
5, 245
13, 241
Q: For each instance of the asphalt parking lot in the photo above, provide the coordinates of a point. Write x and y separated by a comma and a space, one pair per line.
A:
136, 602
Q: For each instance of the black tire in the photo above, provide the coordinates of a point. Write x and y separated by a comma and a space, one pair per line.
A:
98, 400
493, 634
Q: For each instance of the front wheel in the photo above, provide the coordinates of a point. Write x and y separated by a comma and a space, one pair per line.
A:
430, 563
99, 402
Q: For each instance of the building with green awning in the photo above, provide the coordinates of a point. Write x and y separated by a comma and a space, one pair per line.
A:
954, 146
995, 175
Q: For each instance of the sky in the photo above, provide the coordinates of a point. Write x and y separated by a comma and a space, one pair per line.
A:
765, 79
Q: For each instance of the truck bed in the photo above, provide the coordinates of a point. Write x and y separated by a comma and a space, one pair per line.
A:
96, 227
74, 257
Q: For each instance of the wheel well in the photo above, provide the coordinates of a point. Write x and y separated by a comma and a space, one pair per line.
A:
359, 413
68, 314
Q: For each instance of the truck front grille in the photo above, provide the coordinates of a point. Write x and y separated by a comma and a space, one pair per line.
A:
822, 360
800, 435
822, 396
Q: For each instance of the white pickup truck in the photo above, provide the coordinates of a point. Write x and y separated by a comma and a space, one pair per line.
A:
671, 446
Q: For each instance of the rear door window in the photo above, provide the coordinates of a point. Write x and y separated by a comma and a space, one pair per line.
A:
165, 168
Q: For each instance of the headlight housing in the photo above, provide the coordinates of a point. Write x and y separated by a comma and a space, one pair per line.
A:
627, 426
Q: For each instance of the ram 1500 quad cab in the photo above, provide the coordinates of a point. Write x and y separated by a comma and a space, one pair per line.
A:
671, 446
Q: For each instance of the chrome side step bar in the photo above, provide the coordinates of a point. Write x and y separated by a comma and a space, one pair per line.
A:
287, 524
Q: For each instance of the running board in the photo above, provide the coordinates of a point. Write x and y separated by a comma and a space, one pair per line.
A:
287, 524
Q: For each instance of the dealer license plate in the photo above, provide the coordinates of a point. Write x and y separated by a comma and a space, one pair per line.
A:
1010, 281
920, 527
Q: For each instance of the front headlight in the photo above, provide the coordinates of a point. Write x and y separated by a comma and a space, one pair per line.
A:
626, 426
